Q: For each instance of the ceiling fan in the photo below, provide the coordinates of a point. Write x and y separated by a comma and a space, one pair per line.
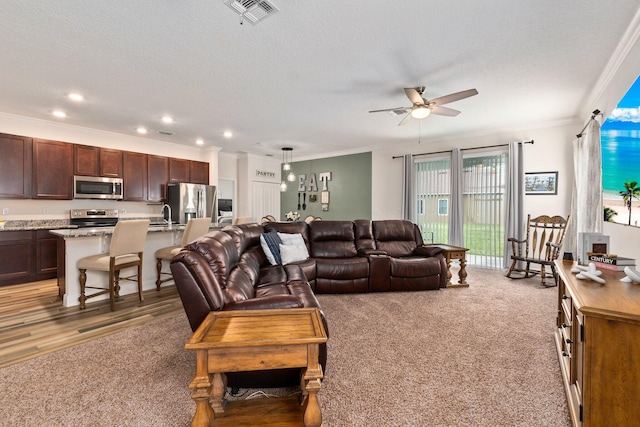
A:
423, 108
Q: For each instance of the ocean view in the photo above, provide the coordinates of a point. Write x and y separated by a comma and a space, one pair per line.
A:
620, 160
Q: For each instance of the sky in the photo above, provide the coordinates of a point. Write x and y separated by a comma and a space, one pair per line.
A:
627, 114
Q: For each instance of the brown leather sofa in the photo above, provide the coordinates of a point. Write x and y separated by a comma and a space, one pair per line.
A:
228, 270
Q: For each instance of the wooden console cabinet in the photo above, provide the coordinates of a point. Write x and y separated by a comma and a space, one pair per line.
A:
598, 343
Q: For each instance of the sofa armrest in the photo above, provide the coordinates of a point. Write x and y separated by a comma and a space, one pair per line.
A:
427, 251
265, 303
367, 252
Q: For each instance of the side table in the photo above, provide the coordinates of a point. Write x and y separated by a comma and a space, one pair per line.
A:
252, 340
459, 253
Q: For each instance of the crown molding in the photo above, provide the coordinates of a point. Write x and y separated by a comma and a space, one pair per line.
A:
626, 44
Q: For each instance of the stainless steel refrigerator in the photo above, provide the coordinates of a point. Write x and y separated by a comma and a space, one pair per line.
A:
192, 201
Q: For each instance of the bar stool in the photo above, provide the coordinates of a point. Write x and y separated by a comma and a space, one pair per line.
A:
242, 220
195, 228
125, 251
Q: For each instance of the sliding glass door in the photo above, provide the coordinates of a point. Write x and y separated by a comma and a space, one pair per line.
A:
433, 188
483, 186
484, 179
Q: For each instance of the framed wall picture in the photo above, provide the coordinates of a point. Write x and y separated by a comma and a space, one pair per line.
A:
541, 183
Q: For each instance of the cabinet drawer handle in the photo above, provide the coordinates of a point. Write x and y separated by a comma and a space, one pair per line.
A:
568, 341
565, 297
564, 325
565, 354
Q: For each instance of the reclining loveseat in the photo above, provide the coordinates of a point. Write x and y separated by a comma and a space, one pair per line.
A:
284, 264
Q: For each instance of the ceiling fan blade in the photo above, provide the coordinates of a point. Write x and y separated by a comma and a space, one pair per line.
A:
413, 96
444, 111
391, 109
453, 97
405, 120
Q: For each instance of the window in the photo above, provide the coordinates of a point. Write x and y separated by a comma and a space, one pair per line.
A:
620, 139
483, 185
443, 207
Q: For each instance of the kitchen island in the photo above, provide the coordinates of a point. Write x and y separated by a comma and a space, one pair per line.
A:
74, 244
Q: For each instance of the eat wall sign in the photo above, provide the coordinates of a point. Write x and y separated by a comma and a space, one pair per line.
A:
312, 183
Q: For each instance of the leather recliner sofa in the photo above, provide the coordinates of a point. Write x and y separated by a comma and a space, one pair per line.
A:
228, 270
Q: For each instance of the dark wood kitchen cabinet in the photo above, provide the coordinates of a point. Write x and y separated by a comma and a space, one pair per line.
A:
158, 176
134, 174
199, 172
86, 160
178, 170
52, 170
15, 166
110, 163
27, 256
96, 161
46, 256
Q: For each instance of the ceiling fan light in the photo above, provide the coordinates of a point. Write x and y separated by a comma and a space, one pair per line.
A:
420, 112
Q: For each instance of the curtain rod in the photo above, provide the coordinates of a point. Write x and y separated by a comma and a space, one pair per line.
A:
595, 113
465, 149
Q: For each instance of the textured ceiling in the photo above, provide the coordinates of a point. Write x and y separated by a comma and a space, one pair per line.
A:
307, 75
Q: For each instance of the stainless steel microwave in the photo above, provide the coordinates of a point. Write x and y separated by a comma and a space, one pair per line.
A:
94, 187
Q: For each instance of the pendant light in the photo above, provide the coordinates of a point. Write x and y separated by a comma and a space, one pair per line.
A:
286, 166
287, 153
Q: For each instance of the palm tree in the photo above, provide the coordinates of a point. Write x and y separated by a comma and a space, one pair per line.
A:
631, 191
609, 214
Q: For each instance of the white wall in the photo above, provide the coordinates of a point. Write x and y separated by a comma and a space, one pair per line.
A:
550, 152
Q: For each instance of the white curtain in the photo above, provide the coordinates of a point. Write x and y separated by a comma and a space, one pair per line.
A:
586, 202
456, 209
407, 188
514, 200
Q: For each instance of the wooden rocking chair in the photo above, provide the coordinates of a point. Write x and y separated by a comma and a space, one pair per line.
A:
541, 246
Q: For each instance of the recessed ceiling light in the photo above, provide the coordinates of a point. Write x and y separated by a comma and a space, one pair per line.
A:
75, 96
59, 113
167, 119
142, 130
199, 141
228, 134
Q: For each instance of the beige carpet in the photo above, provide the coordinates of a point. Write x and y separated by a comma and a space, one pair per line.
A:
477, 356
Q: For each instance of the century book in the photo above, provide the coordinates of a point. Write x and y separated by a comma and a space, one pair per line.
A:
611, 260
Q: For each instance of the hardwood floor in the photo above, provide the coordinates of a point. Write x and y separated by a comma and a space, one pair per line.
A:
33, 321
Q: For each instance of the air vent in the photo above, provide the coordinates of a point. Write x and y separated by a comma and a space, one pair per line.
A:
164, 132
397, 112
253, 11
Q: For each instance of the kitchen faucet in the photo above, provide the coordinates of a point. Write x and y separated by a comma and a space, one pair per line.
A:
168, 222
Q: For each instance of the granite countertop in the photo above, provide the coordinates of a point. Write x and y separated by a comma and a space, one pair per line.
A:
62, 227
28, 225
107, 231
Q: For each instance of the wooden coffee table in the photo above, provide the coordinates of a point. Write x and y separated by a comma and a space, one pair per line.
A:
252, 340
451, 253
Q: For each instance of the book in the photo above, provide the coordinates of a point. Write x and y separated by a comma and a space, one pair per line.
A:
609, 267
606, 259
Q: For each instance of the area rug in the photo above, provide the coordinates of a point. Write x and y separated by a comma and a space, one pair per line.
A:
477, 356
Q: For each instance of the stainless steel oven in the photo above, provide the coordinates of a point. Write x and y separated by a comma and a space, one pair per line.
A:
83, 218
94, 187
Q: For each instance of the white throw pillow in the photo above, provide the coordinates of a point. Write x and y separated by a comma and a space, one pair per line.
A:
291, 239
293, 253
